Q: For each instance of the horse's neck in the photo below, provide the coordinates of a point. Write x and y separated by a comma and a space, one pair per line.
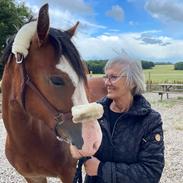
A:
17, 122
96, 89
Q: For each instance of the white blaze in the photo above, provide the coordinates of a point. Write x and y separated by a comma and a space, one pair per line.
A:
79, 96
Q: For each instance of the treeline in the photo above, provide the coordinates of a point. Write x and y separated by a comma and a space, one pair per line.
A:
97, 66
13, 15
178, 66
147, 64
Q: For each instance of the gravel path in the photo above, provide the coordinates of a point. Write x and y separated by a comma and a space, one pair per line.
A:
172, 115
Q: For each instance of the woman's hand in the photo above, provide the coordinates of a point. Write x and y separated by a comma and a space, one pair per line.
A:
91, 166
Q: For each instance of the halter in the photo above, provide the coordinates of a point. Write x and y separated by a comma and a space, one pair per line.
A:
59, 117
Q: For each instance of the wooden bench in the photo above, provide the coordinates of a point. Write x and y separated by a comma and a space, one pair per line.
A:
166, 88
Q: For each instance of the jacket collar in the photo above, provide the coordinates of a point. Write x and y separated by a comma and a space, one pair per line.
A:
140, 106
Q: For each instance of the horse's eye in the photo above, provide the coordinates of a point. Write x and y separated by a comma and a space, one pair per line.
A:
57, 81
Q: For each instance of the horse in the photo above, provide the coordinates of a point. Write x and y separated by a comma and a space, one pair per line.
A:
43, 79
96, 89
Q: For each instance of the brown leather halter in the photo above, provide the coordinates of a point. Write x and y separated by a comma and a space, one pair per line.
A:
58, 116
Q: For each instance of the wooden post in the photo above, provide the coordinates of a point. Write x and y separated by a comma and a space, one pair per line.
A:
91, 73
149, 78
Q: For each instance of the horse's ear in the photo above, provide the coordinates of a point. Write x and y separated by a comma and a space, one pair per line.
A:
72, 30
43, 24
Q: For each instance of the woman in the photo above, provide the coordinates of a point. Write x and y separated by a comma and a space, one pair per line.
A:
132, 149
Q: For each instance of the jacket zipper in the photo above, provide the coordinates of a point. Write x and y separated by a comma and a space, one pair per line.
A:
116, 124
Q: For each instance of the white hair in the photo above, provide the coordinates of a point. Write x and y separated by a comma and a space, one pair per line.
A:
132, 69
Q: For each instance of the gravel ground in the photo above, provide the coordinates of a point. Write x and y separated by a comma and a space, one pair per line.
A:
172, 115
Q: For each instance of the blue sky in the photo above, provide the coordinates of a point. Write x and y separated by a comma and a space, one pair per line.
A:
144, 29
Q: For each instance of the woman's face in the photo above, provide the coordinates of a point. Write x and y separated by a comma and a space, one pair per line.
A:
115, 82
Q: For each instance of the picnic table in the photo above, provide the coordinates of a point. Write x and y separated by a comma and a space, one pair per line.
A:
166, 88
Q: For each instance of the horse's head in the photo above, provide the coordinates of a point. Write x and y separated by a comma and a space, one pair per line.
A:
51, 80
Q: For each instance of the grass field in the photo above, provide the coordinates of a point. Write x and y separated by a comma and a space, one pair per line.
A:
161, 73
164, 73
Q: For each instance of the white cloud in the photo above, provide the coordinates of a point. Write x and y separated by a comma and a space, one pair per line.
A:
64, 18
108, 46
133, 23
76, 6
99, 47
165, 10
114, 30
152, 38
111, 42
116, 12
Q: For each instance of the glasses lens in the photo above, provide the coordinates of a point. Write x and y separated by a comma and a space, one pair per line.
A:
114, 78
111, 78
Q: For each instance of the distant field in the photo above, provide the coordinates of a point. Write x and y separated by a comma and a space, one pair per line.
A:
161, 73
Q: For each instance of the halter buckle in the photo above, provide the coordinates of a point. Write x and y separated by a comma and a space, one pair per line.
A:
61, 139
59, 118
19, 58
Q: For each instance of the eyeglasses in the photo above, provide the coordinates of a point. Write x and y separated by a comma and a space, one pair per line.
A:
112, 78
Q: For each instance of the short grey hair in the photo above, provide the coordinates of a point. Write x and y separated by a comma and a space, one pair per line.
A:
132, 69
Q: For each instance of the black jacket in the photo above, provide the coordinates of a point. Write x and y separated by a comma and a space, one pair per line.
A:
134, 152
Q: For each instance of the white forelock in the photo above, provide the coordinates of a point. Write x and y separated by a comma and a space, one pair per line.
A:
23, 38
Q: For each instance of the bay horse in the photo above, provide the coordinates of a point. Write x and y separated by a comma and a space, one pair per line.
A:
43, 79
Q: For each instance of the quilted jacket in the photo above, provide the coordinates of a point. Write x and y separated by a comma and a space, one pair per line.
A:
134, 151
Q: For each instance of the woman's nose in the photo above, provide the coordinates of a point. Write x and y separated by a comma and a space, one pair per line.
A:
107, 82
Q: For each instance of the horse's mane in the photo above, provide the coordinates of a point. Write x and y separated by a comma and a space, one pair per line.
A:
7, 50
62, 44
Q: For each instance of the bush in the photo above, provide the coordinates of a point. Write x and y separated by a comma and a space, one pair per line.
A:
96, 66
147, 64
178, 66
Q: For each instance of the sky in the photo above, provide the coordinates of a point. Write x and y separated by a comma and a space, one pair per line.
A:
149, 30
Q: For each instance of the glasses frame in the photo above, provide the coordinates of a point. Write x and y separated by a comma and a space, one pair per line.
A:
112, 78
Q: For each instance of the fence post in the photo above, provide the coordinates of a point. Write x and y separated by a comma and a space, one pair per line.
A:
149, 78
91, 73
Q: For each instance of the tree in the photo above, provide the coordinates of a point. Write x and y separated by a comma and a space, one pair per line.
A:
96, 66
12, 17
178, 66
147, 64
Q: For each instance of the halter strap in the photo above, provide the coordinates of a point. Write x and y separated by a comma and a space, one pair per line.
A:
59, 117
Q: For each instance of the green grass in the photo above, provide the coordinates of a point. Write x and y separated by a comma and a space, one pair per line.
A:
160, 73
164, 73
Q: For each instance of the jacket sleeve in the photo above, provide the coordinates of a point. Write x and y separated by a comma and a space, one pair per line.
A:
150, 163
